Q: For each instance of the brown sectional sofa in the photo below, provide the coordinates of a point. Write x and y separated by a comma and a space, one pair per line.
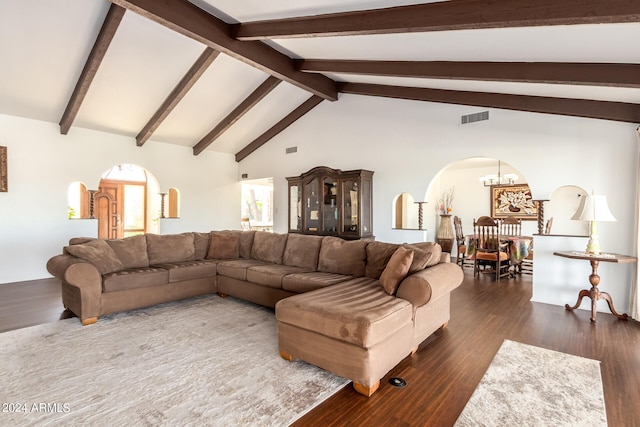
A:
355, 308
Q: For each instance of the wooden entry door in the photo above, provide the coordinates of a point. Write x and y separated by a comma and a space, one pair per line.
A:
109, 201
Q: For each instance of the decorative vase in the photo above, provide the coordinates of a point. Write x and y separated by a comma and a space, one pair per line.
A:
445, 235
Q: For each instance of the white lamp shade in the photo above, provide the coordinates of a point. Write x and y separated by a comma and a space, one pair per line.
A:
593, 208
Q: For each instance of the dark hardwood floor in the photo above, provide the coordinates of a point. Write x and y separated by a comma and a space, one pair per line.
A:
442, 375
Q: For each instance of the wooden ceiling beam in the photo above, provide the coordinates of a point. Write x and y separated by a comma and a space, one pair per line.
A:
303, 109
445, 16
606, 110
256, 96
99, 49
182, 88
193, 22
592, 74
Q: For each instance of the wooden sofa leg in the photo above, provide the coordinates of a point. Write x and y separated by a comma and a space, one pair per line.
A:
89, 321
366, 390
221, 295
444, 325
286, 356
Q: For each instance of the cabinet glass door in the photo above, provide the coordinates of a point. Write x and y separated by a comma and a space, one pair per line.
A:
311, 196
330, 206
295, 208
350, 219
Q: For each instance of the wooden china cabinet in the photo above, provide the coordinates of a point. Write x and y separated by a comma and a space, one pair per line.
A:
330, 202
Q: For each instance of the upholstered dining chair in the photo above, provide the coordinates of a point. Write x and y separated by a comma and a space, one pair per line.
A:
460, 243
490, 249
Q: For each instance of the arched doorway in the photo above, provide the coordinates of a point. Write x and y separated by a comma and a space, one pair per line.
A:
123, 202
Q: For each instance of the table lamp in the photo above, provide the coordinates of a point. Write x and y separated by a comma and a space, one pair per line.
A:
593, 208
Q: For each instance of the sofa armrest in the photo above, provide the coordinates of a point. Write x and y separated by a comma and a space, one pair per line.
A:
430, 283
60, 263
445, 257
81, 285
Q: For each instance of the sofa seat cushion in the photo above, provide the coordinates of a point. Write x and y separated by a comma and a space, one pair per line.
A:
187, 270
305, 282
271, 275
134, 278
357, 311
237, 268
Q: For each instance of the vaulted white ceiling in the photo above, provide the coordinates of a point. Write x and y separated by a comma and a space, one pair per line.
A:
44, 45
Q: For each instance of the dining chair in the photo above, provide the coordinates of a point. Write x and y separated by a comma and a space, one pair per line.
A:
510, 226
462, 248
490, 249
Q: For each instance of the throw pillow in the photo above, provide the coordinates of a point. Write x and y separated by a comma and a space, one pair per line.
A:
98, 253
396, 270
434, 248
421, 258
224, 245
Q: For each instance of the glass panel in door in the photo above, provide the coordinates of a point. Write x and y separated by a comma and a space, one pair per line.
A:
330, 207
311, 196
350, 218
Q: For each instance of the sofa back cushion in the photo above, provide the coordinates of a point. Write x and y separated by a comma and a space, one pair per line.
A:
302, 251
246, 243
224, 245
342, 256
132, 251
378, 255
169, 248
200, 245
98, 253
268, 247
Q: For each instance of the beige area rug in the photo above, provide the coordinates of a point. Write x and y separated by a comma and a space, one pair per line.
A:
532, 386
207, 361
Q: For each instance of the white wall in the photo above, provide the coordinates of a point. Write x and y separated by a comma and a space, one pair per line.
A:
408, 143
42, 163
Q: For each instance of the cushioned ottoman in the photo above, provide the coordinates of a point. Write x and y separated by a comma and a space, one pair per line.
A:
353, 329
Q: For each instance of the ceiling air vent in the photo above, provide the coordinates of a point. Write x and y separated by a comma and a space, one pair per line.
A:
475, 117
292, 150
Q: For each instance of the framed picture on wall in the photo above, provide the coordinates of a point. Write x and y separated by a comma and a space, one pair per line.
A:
3, 170
513, 201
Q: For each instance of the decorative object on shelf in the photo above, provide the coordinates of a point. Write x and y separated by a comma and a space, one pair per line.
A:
496, 180
513, 201
593, 208
420, 214
92, 202
4, 186
445, 204
445, 235
539, 204
162, 196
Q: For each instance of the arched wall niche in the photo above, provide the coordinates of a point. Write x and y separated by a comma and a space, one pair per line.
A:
405, 212
129, 195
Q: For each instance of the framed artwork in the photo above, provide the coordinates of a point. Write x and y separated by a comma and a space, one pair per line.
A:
3, 170
513, 201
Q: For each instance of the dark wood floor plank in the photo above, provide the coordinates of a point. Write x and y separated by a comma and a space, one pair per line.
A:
448, 366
